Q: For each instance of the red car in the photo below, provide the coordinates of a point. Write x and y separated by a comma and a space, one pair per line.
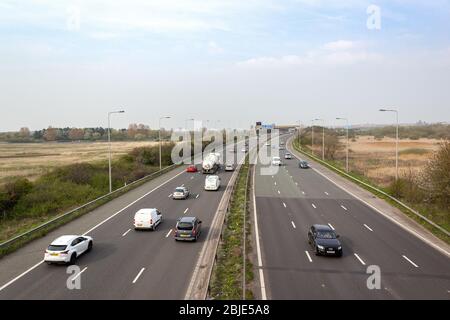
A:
191, 168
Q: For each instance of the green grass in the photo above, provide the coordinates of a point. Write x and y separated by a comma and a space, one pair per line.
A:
431, 212
227, 278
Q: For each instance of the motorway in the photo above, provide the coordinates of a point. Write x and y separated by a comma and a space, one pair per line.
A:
289, 202
129, 264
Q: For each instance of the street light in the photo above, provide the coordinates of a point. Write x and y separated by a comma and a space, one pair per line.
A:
298, 133
312, 137
186, 121
346, 160
396, 141
323, 137
109, 142
160, 162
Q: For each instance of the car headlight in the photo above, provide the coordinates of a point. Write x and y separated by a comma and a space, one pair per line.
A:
339, 248
321, 247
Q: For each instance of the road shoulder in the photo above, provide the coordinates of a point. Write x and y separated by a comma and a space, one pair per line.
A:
379, 205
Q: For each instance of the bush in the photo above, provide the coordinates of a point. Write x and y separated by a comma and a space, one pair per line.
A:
11, 194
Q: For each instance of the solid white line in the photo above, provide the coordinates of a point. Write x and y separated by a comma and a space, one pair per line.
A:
401, 225
409, 260
132, 203
21, 275
126, 232
79, 274
313, 205
197, 196
309, 257
360, 260
90, 230
365, 225
139, 274
293, 224
168, 233
258, 245
284, 204
187, 209
332, 228
343, 207
387, 216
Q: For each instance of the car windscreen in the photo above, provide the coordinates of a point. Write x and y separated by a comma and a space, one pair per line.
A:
184, 226
211, 179
179, 190
326, 235
56, 248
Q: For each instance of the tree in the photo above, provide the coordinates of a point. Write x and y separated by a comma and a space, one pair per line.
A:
51, 134
436, 177
24, 132
76, 134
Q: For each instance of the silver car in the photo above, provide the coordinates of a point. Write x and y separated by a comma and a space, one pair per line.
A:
181, 193
229, 167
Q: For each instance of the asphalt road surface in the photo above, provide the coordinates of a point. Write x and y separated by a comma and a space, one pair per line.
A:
129, 264
292, 200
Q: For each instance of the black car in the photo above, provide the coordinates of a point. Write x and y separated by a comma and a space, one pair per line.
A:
303, 164
324, 240
188, 228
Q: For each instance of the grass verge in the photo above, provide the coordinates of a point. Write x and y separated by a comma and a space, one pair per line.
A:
329, 164
35, 222
227, 277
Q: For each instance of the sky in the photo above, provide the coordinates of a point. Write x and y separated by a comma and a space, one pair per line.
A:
232, 62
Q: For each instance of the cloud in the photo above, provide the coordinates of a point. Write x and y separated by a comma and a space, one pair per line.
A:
340, 45
214, 48
341, 52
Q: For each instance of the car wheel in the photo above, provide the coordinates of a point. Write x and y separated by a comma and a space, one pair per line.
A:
89, 246
316, 251
73, 259
48, 262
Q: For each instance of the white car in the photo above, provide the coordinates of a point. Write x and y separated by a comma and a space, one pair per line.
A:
66, 249
229, 167
288, 156
147, 219
181, 193
212, 183
276, 161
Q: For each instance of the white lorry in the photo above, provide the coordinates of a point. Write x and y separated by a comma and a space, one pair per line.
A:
211, 163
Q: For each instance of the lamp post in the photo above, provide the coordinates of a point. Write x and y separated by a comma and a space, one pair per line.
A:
109, 143
346, 160
160, 161
396, 140
186, 122
312, 137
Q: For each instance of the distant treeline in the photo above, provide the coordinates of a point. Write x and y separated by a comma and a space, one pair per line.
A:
414, 132
134, 132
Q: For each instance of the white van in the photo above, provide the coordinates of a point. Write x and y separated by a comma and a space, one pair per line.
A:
212, 183
147, 219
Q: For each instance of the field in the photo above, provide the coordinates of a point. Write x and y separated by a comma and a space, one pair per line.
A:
375, 158
31, 160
